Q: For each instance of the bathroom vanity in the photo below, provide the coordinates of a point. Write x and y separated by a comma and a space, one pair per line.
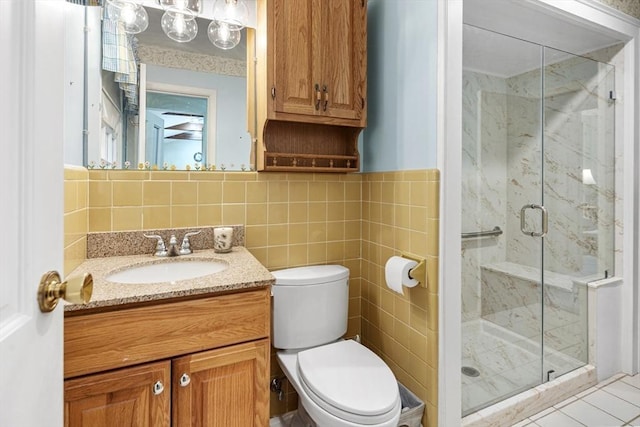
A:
188, 353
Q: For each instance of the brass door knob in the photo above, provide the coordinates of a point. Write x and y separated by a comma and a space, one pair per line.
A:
75, 290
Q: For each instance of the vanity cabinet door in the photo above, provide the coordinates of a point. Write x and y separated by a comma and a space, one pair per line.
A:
318, 53
139, 396
226, 387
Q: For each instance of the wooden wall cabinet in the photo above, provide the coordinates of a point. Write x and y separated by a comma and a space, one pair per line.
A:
310, 84
210, 366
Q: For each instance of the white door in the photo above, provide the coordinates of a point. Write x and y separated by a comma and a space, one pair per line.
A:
155, 138
31, 209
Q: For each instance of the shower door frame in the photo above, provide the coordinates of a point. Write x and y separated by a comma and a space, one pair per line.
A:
450, 21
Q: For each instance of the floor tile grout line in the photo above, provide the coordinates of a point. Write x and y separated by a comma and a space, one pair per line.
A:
582, 424
605, 411
621, 398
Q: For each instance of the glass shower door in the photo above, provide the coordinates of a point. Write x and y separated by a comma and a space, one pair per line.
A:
578, 169
537, 210
501, 174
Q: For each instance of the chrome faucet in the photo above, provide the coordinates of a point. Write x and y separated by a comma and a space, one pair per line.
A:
161, 249
173, 246
173, 249
185, 248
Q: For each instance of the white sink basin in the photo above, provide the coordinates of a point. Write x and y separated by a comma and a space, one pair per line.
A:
169, 271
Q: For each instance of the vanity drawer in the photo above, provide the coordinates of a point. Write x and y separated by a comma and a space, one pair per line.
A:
129, 336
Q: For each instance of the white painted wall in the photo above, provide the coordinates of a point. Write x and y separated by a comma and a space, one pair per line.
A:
401, 73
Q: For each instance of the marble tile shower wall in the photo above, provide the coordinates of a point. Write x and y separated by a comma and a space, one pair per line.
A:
502, 171
580, 238
484, 180
630, 7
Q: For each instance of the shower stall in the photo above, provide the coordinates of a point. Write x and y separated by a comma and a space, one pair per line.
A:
537, 210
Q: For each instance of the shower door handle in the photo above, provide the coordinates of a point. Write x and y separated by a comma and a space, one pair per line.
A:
545, 220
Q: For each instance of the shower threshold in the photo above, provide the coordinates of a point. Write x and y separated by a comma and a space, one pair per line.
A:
510, 371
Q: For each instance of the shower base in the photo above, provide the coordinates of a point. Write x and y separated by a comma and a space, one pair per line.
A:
509, 364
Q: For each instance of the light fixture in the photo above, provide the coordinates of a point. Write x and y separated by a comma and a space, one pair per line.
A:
132, 15
179, 24
222, 36
192, 5
234, 13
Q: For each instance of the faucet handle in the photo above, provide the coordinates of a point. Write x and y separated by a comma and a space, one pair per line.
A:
185, 248
161, 249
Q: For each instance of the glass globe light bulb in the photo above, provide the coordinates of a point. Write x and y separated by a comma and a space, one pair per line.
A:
179, 25
128, 14
134, 17
223, 35
234, 13
192, 5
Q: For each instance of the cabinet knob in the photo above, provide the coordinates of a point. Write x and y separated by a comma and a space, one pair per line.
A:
185, 379
158, 388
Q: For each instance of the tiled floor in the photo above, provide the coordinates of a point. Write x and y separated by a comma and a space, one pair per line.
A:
612, 403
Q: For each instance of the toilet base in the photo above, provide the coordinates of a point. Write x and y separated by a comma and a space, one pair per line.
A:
302, 419
297, 418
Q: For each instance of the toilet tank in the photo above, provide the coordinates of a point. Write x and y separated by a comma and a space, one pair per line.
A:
310, 305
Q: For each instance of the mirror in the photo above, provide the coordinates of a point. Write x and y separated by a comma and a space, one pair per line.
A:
192, 101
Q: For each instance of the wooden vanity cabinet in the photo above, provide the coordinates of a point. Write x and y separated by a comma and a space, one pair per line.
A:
221, 388
201, 362
310, 84
138, 396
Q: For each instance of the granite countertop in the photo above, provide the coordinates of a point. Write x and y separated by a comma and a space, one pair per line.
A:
244, 272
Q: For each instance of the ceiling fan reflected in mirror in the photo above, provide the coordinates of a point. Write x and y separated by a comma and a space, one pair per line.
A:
186, 130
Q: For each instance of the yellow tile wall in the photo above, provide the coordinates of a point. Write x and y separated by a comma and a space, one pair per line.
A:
357, 220
400, 213
76, 190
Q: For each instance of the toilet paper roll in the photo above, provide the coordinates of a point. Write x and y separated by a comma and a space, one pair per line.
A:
396, 273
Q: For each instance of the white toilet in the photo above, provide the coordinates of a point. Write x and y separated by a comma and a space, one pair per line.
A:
339, 382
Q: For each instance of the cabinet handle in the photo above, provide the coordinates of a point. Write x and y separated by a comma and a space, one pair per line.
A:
158, 388
185, 380
326, 97
318, 96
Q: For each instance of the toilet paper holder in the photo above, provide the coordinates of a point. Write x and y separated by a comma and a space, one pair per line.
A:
419, 272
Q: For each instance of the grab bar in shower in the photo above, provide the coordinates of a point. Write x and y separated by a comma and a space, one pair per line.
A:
495, 232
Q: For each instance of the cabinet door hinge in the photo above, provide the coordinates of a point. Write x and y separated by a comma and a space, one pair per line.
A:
273, 92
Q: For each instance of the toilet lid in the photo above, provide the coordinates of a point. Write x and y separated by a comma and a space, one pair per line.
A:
350, 377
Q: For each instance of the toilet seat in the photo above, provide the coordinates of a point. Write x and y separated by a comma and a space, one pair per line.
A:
349, 381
